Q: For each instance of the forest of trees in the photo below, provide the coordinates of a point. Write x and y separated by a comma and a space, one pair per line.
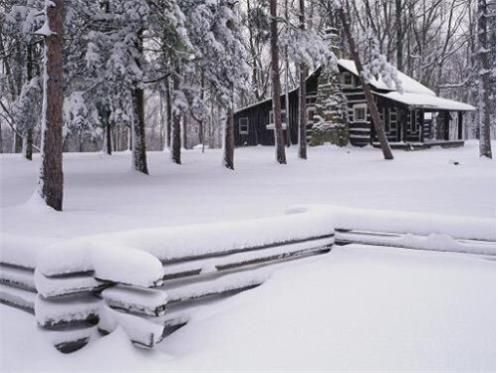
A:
169, 74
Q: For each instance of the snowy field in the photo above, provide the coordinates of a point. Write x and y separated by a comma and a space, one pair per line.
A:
356, 308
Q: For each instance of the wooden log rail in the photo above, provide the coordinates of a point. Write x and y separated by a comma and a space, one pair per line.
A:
150, 294
72, 306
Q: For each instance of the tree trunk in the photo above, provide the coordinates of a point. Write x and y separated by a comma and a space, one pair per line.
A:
108, 134
176, 140
138, 132
1, 139
184, 132
138, 123
28, 145
201, 122
17, 148
275, 78
484, 79
399, 35
51, 180
303, 72
372, 107
168, 113
229, 143
28, 140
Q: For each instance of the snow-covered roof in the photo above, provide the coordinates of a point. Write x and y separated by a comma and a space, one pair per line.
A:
409, 85
427, 102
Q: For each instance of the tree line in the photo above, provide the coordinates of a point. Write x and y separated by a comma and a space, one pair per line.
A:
77, 75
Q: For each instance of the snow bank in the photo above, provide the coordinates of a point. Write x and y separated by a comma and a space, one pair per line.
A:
460, 227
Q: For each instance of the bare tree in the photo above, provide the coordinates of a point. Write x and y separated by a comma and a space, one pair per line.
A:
51, 180
275, 77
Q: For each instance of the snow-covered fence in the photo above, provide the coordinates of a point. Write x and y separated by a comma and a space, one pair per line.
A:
417, 231
148, 282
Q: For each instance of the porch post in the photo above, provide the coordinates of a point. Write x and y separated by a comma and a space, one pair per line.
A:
421, 124
446, 126
460, 125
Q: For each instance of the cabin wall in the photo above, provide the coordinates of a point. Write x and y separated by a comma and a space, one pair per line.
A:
258, 117
401, 124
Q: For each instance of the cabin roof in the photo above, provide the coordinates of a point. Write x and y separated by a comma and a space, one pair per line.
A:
414, 94
408, 84
426, 101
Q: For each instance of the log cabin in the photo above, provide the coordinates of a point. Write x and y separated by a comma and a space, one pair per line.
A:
414, 117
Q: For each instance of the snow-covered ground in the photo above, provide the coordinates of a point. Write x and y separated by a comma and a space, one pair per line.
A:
356, 308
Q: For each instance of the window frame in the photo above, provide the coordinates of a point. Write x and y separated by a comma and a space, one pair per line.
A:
343, 79
394, 116
283, 118
244, 132
360, 106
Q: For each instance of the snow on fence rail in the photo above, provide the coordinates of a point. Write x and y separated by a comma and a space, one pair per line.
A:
149, 281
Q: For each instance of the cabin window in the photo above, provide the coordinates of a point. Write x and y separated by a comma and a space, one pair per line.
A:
360, 113
414, 120
347, 79
310, 113
244, 126
271, 125
393, 119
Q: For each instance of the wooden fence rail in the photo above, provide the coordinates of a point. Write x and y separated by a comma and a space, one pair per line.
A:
75, 306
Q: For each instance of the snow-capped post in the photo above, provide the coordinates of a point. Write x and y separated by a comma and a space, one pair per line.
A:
372, 107
484, 112
51, 181
275, 79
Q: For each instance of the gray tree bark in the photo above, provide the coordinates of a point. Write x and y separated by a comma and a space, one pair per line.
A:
51, 180
484, 79
139, 148
176, 140
228, 151
275, 77
303, 72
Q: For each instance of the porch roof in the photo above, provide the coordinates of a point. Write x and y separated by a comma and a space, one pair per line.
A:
428, 102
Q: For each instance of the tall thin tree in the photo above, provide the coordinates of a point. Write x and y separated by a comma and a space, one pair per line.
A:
275, 78
303, 72
51, 180
484, 79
